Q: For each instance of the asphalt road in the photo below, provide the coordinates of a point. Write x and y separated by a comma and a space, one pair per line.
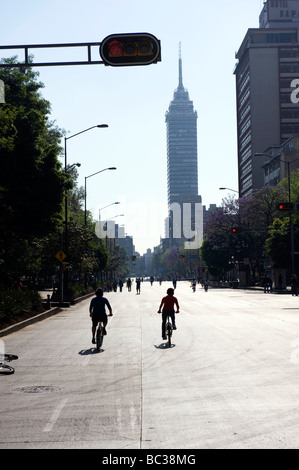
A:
230, 379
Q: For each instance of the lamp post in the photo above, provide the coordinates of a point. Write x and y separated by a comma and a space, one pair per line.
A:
112, 204
65, 169
229, 189
86, 177
289, 191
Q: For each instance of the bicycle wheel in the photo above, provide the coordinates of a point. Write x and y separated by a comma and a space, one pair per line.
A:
8, 357
99, 337
169, 333
5, 369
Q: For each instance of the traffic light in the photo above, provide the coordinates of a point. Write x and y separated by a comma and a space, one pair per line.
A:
130, 49
133, 258
237, 230
285, 206
182, 256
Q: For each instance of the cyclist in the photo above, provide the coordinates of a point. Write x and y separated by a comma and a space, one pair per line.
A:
167, 305
97, 312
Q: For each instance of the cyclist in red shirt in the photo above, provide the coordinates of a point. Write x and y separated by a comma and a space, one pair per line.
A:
167, 305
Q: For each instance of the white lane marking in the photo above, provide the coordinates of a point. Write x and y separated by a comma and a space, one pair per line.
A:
55, 416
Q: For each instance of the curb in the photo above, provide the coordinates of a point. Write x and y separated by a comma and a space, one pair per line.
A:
30, 321
39, 317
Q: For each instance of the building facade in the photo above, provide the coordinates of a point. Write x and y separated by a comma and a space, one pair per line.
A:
184, 203
268, 64
281, 159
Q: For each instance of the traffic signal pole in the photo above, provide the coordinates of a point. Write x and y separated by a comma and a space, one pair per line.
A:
116, 50
27, 56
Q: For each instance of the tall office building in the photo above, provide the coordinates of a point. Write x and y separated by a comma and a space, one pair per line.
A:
268, 62
182, 165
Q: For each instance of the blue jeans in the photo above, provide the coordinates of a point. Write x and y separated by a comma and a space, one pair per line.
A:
164, 317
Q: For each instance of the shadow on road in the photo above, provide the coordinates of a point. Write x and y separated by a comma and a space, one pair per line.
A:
87, 352
164, 346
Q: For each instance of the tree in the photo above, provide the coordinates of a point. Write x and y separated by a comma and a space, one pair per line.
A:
31, 177
253, 215
277, 245
220, 244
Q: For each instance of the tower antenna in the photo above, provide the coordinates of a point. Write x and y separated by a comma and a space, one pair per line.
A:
180, 67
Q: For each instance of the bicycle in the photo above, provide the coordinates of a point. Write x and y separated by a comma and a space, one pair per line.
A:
100, 335
168, 329
4, 368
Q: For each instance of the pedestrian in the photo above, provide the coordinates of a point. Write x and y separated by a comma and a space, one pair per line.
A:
280, 281
294, 285
129, 284
120, 285
167, 305
97, 312
138, 282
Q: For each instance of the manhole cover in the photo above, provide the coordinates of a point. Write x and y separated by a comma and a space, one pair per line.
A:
37, 389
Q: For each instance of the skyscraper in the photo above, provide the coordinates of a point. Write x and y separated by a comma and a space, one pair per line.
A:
182, 165
268, 62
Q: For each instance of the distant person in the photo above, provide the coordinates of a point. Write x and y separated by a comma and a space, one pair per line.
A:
167, 305
97, 312
294, 285
129, 284
138, 283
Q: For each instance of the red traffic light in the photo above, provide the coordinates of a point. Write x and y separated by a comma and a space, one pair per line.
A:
130, 49
285, 206
237, 230
133, 258
182, 256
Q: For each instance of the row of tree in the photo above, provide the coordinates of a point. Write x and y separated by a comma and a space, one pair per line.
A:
246, 233
33, 186
251, 230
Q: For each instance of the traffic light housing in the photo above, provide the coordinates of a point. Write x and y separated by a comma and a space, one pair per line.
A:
130, 49
285, 206
182, 256
237, 230
133, 258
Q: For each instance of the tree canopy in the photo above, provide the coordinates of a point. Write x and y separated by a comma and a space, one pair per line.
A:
32, 183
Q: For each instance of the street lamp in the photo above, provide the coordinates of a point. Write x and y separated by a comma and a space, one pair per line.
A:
229, 189
72, 167
110, 168
289, 190
119, 215
112, 204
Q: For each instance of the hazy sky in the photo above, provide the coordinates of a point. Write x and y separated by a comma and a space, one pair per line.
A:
133, 100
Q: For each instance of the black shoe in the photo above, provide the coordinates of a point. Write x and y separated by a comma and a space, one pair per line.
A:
164, 337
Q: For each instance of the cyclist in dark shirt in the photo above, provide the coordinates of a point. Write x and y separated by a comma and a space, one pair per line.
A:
98, 313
